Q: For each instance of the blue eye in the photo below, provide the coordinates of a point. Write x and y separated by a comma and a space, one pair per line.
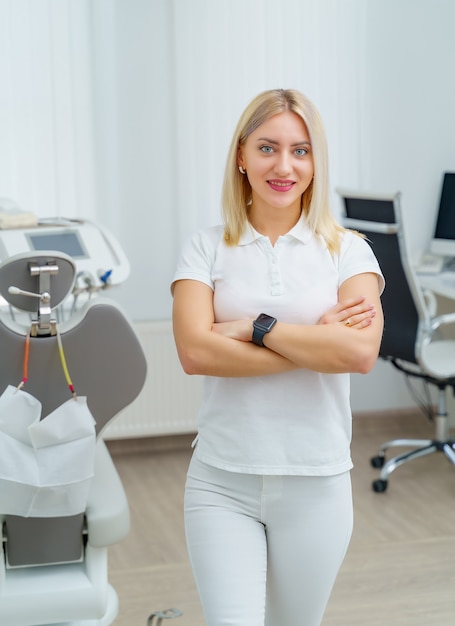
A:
266, 149
301, 151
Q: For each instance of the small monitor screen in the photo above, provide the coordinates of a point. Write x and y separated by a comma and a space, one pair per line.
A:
445, 224
67, 242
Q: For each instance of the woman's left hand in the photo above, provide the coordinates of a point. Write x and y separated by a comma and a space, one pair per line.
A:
354, 313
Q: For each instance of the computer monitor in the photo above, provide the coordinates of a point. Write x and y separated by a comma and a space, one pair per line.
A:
443, 241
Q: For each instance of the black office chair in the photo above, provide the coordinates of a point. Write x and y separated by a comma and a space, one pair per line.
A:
412, 339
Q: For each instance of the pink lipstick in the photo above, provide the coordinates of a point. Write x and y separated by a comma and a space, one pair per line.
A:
281, 185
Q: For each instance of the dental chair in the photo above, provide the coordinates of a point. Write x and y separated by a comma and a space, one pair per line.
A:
53, 568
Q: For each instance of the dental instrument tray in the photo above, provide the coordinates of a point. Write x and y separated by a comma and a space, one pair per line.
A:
96, 253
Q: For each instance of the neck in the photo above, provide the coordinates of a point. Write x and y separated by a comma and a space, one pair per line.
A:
273, 224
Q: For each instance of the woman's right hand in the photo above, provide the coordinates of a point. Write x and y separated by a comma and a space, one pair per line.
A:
354, 313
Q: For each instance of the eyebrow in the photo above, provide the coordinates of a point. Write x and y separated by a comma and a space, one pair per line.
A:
276, 143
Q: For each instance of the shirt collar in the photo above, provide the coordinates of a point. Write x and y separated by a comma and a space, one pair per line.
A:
300, 231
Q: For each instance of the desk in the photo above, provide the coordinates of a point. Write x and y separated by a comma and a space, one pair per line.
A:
442, 284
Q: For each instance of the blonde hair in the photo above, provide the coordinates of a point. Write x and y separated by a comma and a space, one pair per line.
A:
236, 192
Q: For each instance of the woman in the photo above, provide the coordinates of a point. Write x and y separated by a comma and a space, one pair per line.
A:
275, 308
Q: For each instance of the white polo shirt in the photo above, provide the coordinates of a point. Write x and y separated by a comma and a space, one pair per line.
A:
296, 422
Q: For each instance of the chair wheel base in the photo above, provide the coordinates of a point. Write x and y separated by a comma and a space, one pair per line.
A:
378, 461
379, 486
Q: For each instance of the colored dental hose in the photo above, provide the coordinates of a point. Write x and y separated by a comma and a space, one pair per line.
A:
25, 366
64, 366
62, 359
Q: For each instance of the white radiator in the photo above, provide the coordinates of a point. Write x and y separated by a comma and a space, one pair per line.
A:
169, 400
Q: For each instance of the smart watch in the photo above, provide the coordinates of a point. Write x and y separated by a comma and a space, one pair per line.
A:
262, 325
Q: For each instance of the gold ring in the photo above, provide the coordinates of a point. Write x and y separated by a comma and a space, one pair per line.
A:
347, 322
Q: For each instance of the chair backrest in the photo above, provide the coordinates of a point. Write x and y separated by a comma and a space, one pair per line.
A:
378, 217
106, 363
103, 354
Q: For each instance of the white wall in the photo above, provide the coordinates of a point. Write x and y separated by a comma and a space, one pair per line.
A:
47, 151
122, 110
408, 136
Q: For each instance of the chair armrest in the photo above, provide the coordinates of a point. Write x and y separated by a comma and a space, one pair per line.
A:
107, 513
441, 320
436, 355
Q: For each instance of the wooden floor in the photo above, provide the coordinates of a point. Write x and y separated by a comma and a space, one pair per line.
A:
400, 567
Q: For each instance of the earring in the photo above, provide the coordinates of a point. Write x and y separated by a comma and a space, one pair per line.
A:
241, 170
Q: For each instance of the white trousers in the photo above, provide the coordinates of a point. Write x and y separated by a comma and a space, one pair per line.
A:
265, 550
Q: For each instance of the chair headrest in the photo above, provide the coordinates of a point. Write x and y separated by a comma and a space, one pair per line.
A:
25, 271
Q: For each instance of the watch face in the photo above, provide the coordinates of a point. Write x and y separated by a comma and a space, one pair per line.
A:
265, 320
